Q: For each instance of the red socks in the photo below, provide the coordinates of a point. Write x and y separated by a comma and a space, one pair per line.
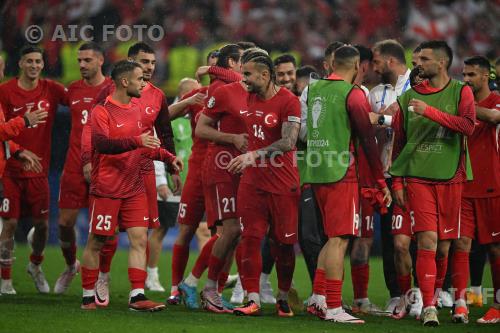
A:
404, 283
215, 266
107, 253
251, 263
360, 275
6, 272
137, 278
180, 256
495, 275
89, 277
441, 266
37, 260
285, 265
203, 260
426, 274
460, 273
333, 293
221, 282
319, 284
69, 254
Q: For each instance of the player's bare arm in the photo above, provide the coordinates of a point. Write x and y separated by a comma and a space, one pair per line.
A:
289, 135
491, 116
205, 130
180, 109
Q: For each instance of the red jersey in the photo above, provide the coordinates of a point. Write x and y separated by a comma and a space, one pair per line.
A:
484, 155
200, 146
224, 106
153, 104
264, 119
15, 102
116, 152
154, 111
81, 99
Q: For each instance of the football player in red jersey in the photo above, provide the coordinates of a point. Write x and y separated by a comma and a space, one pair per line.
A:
480, 207
117, 189
74, 188
212, 177
229, 139
430, 124
26, 188
268, 195
154, 108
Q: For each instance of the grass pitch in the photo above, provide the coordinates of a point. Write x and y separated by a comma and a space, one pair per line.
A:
29, 311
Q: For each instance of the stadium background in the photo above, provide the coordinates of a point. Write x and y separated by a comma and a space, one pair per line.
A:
303, 28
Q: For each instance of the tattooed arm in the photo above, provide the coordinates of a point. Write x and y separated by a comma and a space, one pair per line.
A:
289, 134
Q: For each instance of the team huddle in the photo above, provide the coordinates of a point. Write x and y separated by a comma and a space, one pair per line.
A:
280, 155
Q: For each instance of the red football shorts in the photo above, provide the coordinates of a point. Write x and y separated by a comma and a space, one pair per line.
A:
483, 214
339, 207
367, 218
108, 213
436, 208
192, 204
261, 211
402, 223
151, 195
220, 200
73, 191
27, 195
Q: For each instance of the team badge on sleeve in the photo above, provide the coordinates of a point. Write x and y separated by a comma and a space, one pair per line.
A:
211, 102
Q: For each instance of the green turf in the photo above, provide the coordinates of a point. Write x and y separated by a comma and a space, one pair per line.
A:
29, 311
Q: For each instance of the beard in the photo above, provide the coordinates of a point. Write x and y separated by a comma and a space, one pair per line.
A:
386, 77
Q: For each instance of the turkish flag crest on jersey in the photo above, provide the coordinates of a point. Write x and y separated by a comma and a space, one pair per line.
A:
271, 119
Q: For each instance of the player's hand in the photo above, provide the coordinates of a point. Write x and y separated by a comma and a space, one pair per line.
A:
87, 170
177, 184
31, 162
198, 98
417, 106
36, 117
240, 141
240, 163
201, 71
400, 197
374, 118
387, 196
149, 141
177, 164
163, 192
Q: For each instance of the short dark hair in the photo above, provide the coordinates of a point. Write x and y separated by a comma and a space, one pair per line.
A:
479, 61
439, 45
344, 55
365, 54
245, 45
418, 48
332, 47
285, 58
305, 71
138, 47
392, 48
91, 46
229, 51
122, 67
30, 49
213, 54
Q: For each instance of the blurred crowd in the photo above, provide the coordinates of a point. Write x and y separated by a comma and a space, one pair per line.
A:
192, 28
